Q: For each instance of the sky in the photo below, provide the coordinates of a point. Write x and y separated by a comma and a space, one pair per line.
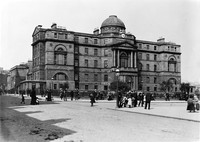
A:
175, 20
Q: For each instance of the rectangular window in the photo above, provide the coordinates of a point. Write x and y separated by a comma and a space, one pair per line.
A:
95, 63
86, 87
155, 57
155, 68
76, 39
66, 36
105, 63
155, 48
96, 87
105, 52
55, 35
55, 86
147, 67
155, 80
95, 41
95, 77
140, 55
148, 47
105, 87
140, 46
155, 88
86, 40
147, 57
60, 59
86, 51
106, 78
148, 88
148, 80
95, 52
86, 77
86, 62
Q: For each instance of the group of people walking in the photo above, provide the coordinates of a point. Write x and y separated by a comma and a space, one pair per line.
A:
134, 99
192, 103
64, 93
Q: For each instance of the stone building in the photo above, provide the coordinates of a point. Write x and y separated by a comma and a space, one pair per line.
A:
88, 61
16, 76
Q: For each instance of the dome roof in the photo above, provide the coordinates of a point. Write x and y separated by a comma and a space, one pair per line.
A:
112, 21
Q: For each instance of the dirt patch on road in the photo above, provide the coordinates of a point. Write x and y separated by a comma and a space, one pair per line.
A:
18, 127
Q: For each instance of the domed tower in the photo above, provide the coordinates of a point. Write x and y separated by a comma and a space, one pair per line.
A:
112, 25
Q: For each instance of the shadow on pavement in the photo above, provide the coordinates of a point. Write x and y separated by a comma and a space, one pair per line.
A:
17, 126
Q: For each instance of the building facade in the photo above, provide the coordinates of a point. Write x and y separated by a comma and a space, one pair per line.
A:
89, 61
16, 76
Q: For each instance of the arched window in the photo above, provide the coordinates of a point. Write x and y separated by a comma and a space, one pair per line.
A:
172, 64
60, 49
60, 55
124, 60
60, 76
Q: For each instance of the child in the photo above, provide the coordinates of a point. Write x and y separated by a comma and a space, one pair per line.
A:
129, 102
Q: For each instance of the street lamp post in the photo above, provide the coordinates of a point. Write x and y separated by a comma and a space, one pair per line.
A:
52, 85
117, 94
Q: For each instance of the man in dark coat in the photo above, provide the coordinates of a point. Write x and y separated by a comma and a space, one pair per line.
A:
148, 100
136, 99
33, 96
92, 100
72, 95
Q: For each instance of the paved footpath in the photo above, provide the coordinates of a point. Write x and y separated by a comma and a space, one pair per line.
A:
174, 109
104, 122
169, 109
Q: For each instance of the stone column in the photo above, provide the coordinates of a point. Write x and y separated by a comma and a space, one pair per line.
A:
117, 58
131, 59
114, 61
135, 64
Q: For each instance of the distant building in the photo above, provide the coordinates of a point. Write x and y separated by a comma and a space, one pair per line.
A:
16, 76
88, 61
3, 80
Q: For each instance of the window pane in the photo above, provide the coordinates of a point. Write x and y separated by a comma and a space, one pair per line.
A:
95, 52
95, 63
105, 77
86, 63
105, 63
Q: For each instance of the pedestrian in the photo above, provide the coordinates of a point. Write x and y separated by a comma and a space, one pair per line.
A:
129, 102
135, 99
92, 99
144, 98
49, 92
33, 96
140, 99
148, 100
124, 101
72, 95
120, 99
65, 95
23, 99
190, 104
61, 93
95, 95
196, 102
